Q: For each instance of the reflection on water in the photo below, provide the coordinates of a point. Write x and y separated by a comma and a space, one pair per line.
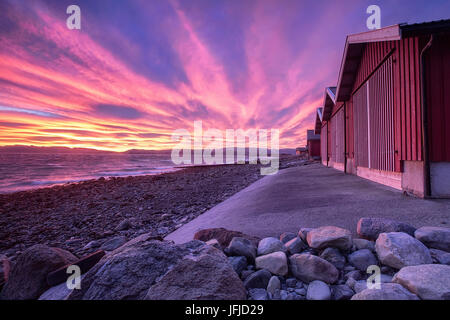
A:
27, 171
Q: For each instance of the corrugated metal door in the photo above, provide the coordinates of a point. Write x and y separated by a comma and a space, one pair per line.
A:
339, 136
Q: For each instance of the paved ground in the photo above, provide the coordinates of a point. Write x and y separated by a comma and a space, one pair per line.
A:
312, 196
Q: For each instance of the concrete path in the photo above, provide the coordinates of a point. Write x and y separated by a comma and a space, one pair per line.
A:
313, 196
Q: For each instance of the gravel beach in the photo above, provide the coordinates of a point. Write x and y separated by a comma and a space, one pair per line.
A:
85, 216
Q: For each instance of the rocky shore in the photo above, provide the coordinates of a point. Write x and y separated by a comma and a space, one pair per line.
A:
105, 213
324, 263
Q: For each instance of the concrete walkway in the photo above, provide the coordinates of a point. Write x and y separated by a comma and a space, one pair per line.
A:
313, 196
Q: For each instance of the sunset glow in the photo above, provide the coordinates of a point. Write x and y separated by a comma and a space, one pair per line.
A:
139, 70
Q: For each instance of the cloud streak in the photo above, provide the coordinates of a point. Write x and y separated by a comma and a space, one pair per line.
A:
139, 70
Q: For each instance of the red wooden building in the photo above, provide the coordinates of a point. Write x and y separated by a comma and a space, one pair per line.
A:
388, 119
313, 144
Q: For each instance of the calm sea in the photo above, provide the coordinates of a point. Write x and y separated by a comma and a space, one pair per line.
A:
28, 171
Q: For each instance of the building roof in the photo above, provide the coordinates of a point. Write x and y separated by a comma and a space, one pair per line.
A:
319, 119
329, 101
310, 135
355, 43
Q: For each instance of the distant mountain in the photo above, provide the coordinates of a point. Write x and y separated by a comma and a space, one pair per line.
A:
35, 149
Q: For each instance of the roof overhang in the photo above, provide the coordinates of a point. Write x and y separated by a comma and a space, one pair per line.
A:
329, 101
354, 46
319, 117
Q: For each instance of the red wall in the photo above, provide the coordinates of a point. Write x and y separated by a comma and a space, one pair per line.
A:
437, 70
314, 148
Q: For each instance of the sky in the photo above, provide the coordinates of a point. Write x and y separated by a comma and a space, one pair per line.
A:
137, 71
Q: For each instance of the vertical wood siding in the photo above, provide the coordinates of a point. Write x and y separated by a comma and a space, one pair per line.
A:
405, 92
339, 136
360, 127
323, 143
381, 117
437, 70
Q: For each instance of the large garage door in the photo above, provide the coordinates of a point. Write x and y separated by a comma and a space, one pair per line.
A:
374, 121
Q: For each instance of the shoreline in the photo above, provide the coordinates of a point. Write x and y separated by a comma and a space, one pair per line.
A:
82, 216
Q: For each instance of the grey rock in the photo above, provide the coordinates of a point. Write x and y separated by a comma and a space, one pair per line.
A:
360, 285
245, 274
356, 274
258, 279
59, 292
287, 236
434, 237
258, 294
429, 281
238, 263
388, 291
371, 228
242, 247
303, 233
295, 245
207, 275
124, 225
362, 259
398, 249
333, 256
307, 268
291, 282
283, 294
318, 290
300, 291
114, 243
364, 244
341, 292
275, 262
28, 276
274, 284
384, 278
269, 245
329, 236
440, 256
294, 296
94, 244
276, 295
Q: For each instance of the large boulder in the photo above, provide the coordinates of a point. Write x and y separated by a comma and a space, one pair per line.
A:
329, 236
129, 271
28, 277
362, 259
275, 262
307, 268
269, 245
388, 291
434, 237
429, 281
371, 228
223, 236
207, 276
398, 250
318, 290
242, 247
